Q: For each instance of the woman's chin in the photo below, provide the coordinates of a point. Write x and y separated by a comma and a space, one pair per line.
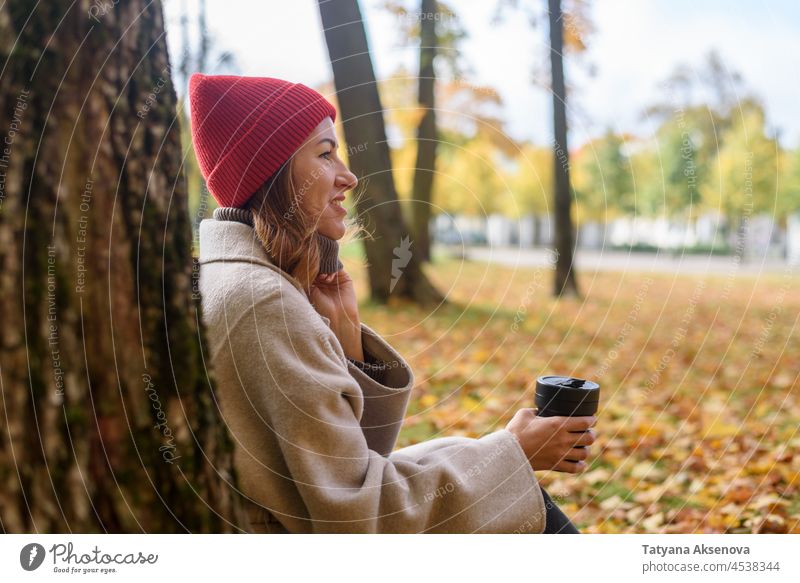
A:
333, 230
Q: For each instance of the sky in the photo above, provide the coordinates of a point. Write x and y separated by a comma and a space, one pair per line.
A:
635, 47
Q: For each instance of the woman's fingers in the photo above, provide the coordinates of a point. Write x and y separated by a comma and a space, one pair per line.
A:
325, 278
585, 438
571, 467
571, 423
329, 277
579, 423
577, 454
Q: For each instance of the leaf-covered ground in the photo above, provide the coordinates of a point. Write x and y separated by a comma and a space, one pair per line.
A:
698, 427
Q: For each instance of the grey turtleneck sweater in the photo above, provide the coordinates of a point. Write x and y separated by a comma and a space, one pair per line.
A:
329, 263
329, 248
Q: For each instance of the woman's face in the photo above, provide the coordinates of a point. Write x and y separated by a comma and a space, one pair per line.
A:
321, 179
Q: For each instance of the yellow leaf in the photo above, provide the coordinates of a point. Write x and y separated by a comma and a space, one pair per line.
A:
646, 470
428, 400
611, 503
468, 403
653, 522
719, 429
600, 475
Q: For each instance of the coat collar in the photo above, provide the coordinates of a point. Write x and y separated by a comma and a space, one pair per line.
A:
230, 241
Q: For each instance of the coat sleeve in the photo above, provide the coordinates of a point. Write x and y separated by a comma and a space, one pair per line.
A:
314, 405
385, 395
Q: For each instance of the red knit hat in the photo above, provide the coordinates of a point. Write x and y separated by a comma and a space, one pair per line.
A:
245, 128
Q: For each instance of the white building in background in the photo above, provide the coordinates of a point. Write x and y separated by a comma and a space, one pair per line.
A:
621, 232
527, 231
499, 231
544, 230
761, 236
653, 232
591, 235
459, 230
708, 229
793, 239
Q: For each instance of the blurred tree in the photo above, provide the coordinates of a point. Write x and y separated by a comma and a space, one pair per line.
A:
398, 95
196, 60
426, 132
112, 423
565, 282
205, 57
438, 30
393, 266
532, 180
569, 28
647, 179
679, 150
477, 183
695, 116
466, 114
744, 179
789, 194
605, 180
477, 157
707, 96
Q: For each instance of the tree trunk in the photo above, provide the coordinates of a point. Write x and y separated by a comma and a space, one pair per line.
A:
113, 425
426, 133
393, 266
565, 280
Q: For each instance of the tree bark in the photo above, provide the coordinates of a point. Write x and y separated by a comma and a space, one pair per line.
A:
393, 265
565, 283
113, 425
426, 133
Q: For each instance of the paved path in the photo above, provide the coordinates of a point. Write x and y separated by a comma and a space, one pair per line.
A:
620, 261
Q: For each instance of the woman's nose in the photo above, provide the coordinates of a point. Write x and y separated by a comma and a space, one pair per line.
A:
347, 179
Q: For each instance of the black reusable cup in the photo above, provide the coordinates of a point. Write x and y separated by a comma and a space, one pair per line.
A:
566, 397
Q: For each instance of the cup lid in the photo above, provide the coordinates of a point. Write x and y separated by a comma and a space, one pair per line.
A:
570, 388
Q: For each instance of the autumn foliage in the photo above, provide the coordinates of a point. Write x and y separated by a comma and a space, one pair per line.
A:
698, 427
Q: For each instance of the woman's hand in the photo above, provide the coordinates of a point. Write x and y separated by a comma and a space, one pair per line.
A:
551, 443
334, 296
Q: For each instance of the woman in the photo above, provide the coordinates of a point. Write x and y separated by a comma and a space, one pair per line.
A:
315, 398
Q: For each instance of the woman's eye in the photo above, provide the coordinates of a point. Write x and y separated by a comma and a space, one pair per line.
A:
326, 155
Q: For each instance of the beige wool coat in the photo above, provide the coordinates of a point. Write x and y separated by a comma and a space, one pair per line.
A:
315, 436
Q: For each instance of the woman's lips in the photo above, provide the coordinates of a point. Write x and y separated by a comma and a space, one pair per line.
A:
340, 209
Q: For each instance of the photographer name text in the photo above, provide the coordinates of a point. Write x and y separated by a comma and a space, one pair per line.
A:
697, 550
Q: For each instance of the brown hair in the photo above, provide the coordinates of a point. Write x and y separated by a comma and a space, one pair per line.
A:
286, 231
